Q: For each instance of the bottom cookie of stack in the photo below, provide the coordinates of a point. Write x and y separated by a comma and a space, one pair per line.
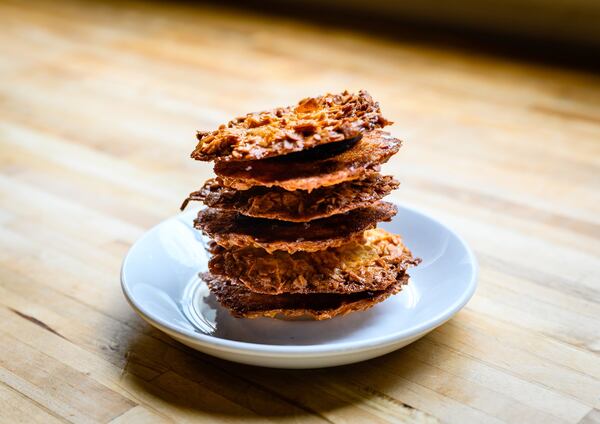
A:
244, 303
320, 285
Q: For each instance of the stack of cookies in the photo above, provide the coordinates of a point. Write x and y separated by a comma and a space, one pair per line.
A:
293, 211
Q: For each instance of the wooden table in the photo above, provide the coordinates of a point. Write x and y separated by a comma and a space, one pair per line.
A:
99, 104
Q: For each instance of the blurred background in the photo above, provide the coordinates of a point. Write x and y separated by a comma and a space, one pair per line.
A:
559, 20
560, 29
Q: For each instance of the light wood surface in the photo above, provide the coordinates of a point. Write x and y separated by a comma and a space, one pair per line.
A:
99, 103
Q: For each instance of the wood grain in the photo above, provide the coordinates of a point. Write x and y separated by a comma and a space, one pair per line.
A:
99, 103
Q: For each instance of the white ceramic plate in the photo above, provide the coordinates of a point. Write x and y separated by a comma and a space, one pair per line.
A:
160, 280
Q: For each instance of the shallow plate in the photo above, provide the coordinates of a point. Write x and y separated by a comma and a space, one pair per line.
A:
160, 280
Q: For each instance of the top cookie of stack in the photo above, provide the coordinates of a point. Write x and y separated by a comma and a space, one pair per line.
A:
293, 208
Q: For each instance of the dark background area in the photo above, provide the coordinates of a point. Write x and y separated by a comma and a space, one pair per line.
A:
563, 33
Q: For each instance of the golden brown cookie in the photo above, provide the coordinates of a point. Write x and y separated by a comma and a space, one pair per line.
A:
297, 205
293, 172
371, 264
314, 121
230, 229
243, 303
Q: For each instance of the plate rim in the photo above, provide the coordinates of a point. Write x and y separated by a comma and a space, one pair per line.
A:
335, 348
